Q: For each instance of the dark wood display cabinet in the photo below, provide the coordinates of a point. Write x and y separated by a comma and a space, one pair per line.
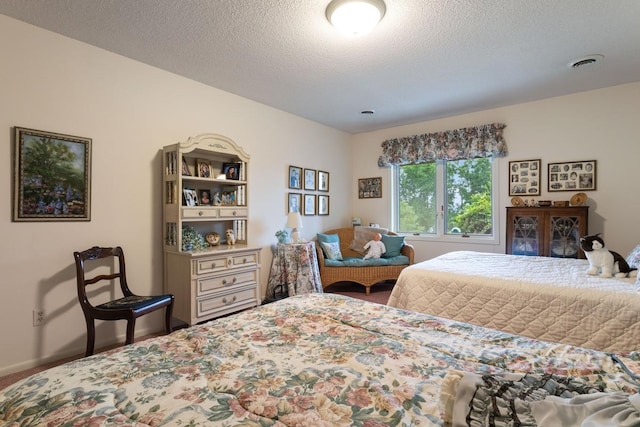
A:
546, 231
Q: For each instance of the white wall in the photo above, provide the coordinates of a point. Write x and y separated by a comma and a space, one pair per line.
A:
130, 110
600, 124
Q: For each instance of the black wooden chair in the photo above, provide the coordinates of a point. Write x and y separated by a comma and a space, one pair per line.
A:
128, 308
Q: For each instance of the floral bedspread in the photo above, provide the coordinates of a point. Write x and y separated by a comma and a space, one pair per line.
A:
312, 360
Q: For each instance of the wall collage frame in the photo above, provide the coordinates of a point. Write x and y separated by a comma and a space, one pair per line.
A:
308, 181
525, 176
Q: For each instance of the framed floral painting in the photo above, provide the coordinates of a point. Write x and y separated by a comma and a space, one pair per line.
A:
52, 176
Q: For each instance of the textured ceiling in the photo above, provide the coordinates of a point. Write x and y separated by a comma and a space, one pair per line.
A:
425, 60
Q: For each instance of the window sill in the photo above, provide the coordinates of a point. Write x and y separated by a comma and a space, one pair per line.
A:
474, 240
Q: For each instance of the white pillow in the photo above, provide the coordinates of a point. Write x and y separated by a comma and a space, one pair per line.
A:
331, 250
633, 259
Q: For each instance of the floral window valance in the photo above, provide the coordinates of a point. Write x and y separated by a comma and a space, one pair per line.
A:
465, 143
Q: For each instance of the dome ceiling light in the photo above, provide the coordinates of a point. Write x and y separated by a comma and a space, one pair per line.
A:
355, 17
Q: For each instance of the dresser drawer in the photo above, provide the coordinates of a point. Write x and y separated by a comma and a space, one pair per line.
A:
233, 212
224, 301
244, 260
213, 264
199, 213
214, 283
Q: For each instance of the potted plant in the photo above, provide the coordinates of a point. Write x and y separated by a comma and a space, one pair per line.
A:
192, 240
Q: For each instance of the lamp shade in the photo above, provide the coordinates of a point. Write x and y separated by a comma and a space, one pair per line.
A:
294, 220
355, 17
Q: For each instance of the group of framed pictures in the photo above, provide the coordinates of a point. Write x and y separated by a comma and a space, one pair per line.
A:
308, 180
226, 197
203, 169
524, 176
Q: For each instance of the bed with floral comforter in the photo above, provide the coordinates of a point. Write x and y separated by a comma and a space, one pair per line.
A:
314, 360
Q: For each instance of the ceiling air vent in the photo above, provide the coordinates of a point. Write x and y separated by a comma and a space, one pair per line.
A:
587, 60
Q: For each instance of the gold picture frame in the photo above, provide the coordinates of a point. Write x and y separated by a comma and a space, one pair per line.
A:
52, 176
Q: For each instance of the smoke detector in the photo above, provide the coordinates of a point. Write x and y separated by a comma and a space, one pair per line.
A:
587, 60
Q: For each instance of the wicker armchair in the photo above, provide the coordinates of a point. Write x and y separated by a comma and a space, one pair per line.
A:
366, 276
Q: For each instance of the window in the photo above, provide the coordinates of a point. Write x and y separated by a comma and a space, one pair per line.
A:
447, 197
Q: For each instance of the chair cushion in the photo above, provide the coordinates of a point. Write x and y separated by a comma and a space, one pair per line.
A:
393, 244
135, 302
371, 262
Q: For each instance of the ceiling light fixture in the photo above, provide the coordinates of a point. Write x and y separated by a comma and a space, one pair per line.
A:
355, 17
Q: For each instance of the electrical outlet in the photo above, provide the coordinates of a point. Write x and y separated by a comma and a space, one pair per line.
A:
38, 317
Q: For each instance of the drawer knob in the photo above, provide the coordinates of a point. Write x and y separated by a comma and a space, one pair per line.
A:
226, 301
234, 213
200, 213
213, 265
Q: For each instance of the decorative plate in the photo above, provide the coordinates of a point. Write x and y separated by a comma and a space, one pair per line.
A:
517, 202
578, 199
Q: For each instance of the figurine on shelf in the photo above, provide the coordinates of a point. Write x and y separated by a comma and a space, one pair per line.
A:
213, 238
231, 238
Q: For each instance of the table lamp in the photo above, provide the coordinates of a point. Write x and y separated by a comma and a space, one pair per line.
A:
294, 221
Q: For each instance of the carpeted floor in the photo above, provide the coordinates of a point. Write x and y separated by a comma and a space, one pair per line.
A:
379, 294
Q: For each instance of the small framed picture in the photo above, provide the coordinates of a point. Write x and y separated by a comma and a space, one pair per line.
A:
231, 170
323, 181
185, 167
572, 176
203, 168
309, 204
323, 204
524, 178
295, 174
229, 196
190, 197
294, 201
205, 197
310, 179
370, 188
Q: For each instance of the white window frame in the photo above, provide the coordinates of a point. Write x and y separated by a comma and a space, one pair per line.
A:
440, 235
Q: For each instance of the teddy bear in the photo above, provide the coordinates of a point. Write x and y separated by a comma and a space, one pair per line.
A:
601, 260
375, 247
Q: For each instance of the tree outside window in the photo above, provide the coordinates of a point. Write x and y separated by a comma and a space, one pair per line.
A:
459, 190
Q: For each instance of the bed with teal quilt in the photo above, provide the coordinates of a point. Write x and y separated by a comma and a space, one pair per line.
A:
323, 360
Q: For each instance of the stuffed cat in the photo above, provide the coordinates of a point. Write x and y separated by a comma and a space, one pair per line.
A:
601, 260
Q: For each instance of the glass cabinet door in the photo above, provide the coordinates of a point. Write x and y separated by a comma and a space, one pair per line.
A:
564, 239
526, 235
